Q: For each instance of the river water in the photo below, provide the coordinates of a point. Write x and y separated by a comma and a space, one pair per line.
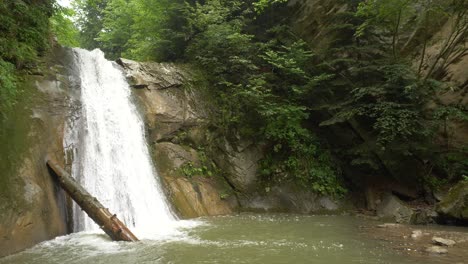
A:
244, 238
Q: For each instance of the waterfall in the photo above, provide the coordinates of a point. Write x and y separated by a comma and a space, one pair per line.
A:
110, 156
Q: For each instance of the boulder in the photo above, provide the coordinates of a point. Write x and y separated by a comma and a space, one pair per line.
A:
443, 241
394, 209
454, 205
424, 216
328, 203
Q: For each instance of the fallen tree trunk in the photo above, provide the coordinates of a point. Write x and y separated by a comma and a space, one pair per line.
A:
100, 215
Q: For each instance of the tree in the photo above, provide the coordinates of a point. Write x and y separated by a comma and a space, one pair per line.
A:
89, 19
63, 27
117, 23
261, 5
24, 32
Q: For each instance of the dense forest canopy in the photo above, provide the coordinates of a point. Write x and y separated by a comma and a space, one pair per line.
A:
270, 85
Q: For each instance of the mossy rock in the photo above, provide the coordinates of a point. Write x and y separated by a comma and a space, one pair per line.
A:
455, 203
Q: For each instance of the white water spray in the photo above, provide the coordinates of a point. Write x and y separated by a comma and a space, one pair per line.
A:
110, 155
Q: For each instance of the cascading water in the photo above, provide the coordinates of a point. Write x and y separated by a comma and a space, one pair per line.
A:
110, 155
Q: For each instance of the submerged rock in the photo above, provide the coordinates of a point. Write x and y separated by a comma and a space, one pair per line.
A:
389, 225
436, 250
328, 204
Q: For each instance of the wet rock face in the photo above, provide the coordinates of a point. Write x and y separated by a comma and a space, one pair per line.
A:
153, 75
175, 119
32, 208
194, 196
168, 107
240, 160
454, 205
289, 198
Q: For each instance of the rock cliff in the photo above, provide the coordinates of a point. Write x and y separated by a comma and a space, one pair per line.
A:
33, 208
205, 173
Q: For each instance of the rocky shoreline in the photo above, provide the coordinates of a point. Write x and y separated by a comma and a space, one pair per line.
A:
425, 244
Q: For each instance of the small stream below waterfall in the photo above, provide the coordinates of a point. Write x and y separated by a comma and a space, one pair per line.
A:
244, 238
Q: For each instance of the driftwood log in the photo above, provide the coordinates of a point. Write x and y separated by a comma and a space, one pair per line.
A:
100, 215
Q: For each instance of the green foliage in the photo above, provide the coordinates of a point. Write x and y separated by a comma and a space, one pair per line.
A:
259, 87
118, 18
383, 14
452, 161
205, 168
391, 98
7, 86
135, 29
24, 32
89, 19
451, 112
454, 164
381, 94
372, 88
63, 27
189, 170
261, 5
433, 182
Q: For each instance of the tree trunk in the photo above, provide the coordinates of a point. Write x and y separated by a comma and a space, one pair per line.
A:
100, 215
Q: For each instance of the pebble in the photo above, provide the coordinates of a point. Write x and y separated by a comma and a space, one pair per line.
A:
416, 234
